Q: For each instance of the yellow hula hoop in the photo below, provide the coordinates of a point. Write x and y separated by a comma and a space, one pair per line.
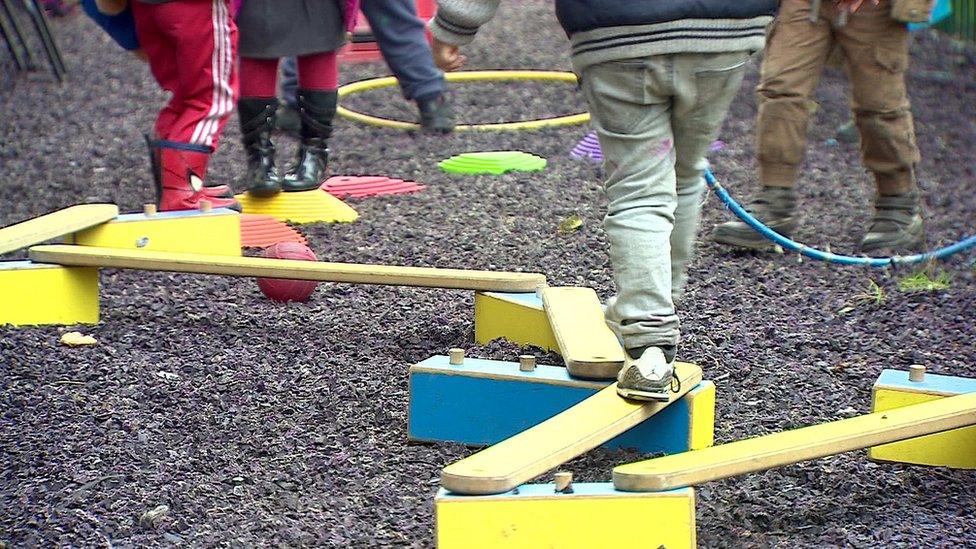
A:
466, 76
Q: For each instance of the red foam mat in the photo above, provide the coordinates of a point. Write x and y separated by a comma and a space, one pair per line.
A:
261, 231
359, 186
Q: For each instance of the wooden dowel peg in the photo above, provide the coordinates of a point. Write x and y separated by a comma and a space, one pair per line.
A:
527, 363
149, 210
456, 356
916, 373
564, 481
206, 205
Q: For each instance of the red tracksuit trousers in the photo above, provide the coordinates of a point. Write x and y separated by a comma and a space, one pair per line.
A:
192, 50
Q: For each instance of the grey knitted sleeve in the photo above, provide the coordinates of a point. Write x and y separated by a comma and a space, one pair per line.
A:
457, 21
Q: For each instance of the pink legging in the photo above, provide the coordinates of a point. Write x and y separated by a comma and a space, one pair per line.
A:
316, 71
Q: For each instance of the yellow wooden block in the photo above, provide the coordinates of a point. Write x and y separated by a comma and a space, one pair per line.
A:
701, 416
315, 206
519, 318
54, 225
956, 448
35, 294
215, 232
589, 347
594, 515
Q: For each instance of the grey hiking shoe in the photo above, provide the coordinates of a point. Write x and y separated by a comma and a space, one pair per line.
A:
650, 376
774, 207
897, 224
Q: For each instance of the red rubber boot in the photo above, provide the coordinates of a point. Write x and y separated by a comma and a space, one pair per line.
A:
221, 191
182, 169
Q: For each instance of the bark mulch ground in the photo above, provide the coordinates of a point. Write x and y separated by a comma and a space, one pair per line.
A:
256, 423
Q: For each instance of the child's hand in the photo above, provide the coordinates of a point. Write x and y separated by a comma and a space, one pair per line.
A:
853, 5
448, 57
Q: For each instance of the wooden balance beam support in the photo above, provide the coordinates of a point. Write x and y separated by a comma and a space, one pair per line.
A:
285, 268
55, 225
587, 516
168, 232
587, 344
897, 388
590, 423
787, 447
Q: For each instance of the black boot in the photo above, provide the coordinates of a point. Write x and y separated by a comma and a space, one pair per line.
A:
257, 116
436, 115
316, 109
773, 207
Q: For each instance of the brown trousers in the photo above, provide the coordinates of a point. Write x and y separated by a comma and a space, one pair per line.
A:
874, 48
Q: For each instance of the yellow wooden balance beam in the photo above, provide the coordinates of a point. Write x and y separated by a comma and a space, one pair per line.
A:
588, 346
89, 256
55, 225
562, 437
784, 448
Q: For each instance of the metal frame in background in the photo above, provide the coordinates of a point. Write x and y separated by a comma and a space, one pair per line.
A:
13, 35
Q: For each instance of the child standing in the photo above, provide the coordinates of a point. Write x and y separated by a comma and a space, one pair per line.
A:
311, 30
659, 77
191, 47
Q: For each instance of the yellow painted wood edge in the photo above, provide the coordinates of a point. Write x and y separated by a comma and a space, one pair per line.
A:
786, 447
701, 417
955, 449
566, 435
498, 317
284, 268
49, 295
172, 234
54, 225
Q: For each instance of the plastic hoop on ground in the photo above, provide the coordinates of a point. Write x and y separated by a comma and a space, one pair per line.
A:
467, 76
820, 255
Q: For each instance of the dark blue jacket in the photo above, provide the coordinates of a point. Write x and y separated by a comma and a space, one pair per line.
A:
583, 15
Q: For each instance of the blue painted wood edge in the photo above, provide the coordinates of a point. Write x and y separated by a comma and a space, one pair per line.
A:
24, 264
528, 299
933, 383
580, 489
181, 214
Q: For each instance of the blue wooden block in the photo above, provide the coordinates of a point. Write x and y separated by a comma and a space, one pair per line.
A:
481, 402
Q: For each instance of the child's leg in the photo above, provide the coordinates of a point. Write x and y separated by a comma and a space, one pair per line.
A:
256, 111
318, 72
318, 78
705, 85
259, 77
161, 54
205, 40
631, 108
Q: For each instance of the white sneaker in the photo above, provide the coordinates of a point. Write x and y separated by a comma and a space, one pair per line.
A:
647, 378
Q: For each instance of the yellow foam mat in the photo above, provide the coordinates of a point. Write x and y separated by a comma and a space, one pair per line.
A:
315, 206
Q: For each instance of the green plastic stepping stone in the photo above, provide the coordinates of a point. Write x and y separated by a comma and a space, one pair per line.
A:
493, 162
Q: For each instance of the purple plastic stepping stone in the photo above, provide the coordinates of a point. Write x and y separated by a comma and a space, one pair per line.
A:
588, 149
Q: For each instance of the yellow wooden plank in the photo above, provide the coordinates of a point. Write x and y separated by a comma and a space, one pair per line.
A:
285, 268
55, 225
784, 448
588, 346
560, 438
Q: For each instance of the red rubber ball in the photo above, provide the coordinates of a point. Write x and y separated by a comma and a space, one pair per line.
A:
281, 289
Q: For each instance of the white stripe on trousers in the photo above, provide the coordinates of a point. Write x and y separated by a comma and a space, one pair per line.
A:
221, 66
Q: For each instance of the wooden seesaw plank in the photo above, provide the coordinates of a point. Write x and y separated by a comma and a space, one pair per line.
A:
89, 256
54, 225
587, 344
581, 428
784, 448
